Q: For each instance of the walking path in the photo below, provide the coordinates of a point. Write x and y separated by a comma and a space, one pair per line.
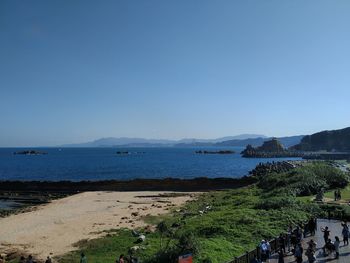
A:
335, 228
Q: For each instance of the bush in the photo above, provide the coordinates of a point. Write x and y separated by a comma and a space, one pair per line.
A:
277, 203
304, 181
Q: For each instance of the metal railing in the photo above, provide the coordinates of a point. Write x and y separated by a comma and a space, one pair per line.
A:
274, 243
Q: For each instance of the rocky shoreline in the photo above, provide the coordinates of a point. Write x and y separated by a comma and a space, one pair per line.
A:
25, 194
166, 184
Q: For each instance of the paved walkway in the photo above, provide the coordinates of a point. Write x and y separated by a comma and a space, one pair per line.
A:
335, 229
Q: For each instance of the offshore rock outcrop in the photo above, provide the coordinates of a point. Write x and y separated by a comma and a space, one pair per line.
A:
30, 152
270, 149
216, 152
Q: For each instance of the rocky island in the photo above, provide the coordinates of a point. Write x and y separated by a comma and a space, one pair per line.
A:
270, 149
126, 152
215, 152
30, 152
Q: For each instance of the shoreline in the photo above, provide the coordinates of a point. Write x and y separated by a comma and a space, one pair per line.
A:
166, 184
45, 230
28, 194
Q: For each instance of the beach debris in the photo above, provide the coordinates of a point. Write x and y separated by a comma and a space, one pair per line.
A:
148, 229
135, 213
175, 225
141, 238
135, 233
136, 248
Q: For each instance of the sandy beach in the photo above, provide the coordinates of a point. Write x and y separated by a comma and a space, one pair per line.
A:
54, 228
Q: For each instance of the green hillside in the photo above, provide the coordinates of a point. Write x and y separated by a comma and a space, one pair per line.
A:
335, 140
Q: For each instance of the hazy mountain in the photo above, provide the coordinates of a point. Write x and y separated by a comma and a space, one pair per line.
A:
111, 141
334, 140
141, 142
236, 137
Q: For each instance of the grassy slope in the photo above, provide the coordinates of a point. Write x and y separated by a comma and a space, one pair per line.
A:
237, 221
345, 193
233, 225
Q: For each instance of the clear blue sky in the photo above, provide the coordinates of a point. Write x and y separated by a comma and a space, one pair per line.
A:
72, 71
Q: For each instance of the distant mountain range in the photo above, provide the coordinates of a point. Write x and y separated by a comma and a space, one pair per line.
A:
141, 142
334, 140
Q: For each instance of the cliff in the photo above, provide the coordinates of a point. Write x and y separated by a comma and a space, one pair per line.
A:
335, 140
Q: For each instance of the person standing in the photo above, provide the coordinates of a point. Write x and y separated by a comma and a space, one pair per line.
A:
280, 256
299, 253
83, 258
268, 250
312, 226
326, 233
263, 251
282, 243
336, 247
339, 194
121, 259
310, 252
345, 233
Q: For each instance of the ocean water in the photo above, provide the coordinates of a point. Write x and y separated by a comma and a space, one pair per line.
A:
77, 164
8, 204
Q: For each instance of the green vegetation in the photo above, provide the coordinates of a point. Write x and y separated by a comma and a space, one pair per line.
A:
338, 140
223, 224
345, 193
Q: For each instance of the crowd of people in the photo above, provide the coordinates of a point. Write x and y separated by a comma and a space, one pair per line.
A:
290, 243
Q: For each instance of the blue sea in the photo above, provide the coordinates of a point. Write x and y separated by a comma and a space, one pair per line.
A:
77, 164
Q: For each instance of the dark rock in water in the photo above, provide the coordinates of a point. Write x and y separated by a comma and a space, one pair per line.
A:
126, 152
216, 152
122, 153
269, 149
30, 152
